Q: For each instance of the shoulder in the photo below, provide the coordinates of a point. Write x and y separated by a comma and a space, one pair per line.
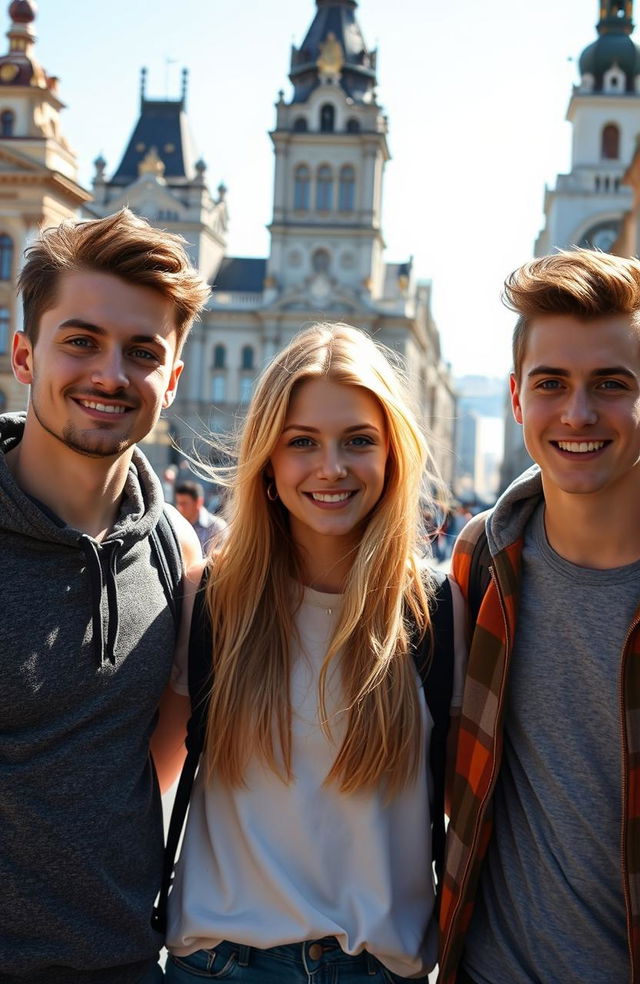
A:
187, 537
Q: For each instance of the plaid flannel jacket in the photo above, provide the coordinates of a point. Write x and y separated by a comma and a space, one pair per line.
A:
479, 753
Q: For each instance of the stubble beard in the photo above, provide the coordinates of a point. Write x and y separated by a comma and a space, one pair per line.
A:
96, 443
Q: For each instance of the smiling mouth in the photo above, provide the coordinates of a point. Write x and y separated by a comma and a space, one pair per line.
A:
113, 408
580, 447
330, 496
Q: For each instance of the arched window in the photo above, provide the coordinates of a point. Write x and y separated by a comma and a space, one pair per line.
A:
300, 125
321, 261
353, 126
218, 388
7, 120
219, 357
327, 118
610, 146
347, 189
301, 186
247, 357
5, 330
324, 189
6, 257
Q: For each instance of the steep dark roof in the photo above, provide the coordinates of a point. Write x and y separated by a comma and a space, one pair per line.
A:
241, 273
335, 17
162, 125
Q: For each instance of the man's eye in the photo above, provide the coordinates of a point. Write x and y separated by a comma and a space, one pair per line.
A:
81, 342
144, 354
611, 384
549, 384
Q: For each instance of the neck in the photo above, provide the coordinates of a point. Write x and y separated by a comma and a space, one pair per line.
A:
83, 491
326, 563
593, 530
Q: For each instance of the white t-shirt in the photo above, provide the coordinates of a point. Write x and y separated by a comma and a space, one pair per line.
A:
274, 863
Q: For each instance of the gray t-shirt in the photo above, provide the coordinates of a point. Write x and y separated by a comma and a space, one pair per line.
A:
550, 904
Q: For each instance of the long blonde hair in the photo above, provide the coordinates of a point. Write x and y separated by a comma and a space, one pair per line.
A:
249, 588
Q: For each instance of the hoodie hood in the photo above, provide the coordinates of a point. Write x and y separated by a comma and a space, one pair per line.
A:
140, 508
513, 510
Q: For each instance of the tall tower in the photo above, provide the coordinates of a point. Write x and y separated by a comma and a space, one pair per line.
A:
330, 144
38, 172
586, 206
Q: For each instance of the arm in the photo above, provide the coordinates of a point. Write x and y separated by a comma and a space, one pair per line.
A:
167, 741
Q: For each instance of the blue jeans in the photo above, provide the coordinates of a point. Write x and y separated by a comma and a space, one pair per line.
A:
312, 962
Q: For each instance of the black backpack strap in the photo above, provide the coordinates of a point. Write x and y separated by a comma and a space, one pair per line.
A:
434, 657
200, 679
166, 547
479, 575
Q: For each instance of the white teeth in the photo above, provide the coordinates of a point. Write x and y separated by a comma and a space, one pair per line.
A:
330, 497
580, 447
103, 407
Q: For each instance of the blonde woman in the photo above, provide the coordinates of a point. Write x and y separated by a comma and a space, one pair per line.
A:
307, 854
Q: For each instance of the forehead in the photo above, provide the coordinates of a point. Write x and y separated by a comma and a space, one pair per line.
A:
111, 304
565, 342
326, 403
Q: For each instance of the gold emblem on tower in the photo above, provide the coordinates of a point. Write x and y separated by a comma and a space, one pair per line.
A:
331, 60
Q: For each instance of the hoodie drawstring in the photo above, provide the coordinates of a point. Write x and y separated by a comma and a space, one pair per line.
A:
98, 554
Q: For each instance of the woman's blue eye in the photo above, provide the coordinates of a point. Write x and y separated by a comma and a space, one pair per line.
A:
361, 441
301, 442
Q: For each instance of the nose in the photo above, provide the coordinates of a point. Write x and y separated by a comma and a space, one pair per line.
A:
331, 465
579, 410
109, 372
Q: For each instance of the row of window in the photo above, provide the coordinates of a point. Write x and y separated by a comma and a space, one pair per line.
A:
324, 188
326, 122
247, 358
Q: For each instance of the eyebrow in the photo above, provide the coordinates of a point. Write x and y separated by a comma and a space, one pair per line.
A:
315, 430
98, 330
597, 373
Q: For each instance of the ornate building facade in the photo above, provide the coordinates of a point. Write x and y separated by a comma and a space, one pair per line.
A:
38, 173
588, 206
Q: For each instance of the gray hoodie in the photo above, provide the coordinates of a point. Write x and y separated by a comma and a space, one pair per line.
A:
86, 644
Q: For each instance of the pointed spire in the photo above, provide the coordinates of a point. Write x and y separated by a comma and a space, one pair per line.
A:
183, 92
143, 86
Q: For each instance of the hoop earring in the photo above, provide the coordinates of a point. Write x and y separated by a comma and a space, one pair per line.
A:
272, 492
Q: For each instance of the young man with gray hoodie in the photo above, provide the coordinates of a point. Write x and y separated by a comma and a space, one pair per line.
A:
543, 852
86, 631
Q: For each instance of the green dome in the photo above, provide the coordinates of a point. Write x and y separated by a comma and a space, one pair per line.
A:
611, 49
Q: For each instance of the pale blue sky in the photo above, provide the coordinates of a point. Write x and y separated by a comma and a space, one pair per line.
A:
475, 91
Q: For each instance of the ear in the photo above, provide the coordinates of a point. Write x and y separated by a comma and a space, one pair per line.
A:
172, 387
516, 406
22, 358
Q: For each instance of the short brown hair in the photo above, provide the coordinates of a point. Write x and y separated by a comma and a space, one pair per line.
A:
584, 283
121, 244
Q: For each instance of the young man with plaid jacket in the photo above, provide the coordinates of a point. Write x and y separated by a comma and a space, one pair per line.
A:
542, 877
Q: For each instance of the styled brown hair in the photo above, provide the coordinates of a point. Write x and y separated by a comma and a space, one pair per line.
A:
583, 283
121, 244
